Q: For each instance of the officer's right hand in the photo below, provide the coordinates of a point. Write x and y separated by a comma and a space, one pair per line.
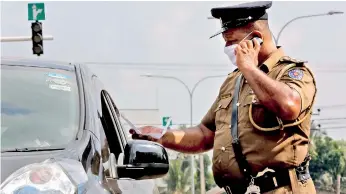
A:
145, 133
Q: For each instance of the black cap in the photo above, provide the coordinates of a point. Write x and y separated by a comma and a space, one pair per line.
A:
240, 15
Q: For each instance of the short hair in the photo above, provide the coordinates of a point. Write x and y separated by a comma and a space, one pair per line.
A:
260, 25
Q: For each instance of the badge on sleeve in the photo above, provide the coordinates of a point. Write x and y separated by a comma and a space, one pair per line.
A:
296, 74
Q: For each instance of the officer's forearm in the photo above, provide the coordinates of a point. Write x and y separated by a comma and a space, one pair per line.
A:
276, 96
191, 140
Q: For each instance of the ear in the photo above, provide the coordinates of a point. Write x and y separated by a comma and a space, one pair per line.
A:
258, 34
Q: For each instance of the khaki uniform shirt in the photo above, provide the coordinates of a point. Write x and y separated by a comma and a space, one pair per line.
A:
273, 149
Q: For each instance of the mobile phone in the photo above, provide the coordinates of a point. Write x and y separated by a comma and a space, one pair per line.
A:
258, 39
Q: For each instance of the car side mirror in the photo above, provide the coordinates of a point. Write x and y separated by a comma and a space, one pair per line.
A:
143, 160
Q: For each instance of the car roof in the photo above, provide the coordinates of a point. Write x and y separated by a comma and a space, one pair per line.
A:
38, 63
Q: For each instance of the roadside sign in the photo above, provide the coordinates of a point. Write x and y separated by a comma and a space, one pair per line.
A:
36, 11
167, 122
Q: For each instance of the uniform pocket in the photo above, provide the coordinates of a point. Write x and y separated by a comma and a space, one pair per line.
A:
224, 103
222, 112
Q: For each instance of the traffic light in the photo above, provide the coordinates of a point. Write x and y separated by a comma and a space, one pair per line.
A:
37, 38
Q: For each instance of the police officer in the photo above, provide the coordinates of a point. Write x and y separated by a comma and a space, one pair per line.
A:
259, 124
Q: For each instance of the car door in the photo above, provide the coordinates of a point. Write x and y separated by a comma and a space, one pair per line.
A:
115, 141
130, 185
98, 146
103, 127
111, 140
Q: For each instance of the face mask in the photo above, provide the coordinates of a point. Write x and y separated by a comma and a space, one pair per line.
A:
230, 51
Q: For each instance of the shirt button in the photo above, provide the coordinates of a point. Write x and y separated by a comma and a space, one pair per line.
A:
223, 149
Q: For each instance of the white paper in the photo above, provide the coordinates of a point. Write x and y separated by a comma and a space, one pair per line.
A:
154, 135
131, 125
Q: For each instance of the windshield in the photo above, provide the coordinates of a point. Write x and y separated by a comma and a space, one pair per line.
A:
39, 107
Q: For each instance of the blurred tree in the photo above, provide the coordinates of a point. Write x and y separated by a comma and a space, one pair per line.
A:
209, 179
177, 180
328, 160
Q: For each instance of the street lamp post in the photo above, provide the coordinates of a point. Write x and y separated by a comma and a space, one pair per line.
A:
201, 159
302, 17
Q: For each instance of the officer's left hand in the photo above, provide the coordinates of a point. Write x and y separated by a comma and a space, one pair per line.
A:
247, 54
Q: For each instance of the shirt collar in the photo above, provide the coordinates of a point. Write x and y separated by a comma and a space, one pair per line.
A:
272, 60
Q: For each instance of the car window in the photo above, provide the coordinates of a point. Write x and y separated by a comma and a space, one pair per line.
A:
110, 126
117, 119
39, 107
126, 126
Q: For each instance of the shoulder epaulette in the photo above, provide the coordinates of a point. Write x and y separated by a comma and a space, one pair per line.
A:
287, 59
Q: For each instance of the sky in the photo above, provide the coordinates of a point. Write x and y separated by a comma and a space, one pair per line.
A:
172, 39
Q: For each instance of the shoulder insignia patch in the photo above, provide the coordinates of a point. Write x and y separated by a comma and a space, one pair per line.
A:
296, 74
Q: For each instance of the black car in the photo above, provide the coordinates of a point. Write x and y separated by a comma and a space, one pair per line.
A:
61, 133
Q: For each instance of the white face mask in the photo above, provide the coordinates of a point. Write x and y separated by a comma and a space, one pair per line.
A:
230, 51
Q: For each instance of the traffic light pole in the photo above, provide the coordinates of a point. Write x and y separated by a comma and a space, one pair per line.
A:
22, 38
